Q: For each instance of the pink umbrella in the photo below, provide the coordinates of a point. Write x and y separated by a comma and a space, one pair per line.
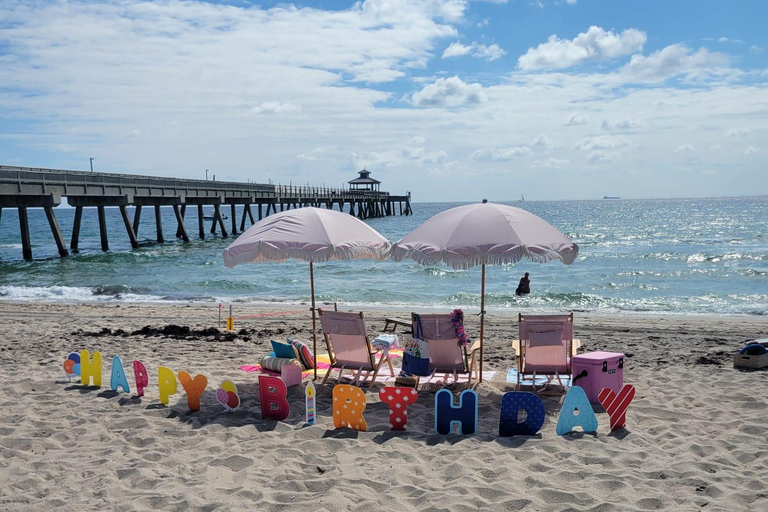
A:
309, 234
484, 233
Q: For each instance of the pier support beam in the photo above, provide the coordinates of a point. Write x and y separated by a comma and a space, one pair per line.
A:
136, 220
217, 218
129, 226
180, 219
182, 226
200, 222
159, 225
103, 228
56, 230
26, 244
76, 228
234, 218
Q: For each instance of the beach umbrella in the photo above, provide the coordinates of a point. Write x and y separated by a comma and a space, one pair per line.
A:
484, 234
309, 234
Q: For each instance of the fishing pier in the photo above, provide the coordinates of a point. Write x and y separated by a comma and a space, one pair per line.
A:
23, 188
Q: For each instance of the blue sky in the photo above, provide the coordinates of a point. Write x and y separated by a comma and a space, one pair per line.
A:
450, 99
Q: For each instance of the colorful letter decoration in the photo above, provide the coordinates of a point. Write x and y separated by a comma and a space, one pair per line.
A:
465, 414
309, 402
141, 376
166, 384
90, 369
227, 396
616, 405
118, 378
511, 403
72, 365
348, 407
575, 399
194, 388
398, 398
272, 393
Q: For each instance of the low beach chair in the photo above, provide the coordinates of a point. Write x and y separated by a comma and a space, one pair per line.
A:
446, 355
349, 348
545, 347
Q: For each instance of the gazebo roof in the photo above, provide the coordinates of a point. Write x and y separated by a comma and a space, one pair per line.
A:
364, 179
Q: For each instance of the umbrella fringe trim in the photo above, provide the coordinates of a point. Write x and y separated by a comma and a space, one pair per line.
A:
484, 258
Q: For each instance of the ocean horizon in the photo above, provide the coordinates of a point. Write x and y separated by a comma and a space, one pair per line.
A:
639, 256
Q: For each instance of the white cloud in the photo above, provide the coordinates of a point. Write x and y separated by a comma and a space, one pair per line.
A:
275, 107
620, 124
602, 142
550, 163
576, 119
500, 154
570, 2
739, 132
595, 44
306, 157
672, 61
756, 49
480, 51
602, 157
685, 148
729, 40
542, 142
449, 92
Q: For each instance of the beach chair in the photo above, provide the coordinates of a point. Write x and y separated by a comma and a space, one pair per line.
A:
545, 348
349, 348
446, 355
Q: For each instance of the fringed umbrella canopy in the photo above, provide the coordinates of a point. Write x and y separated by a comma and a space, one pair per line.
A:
484, 233
309, 234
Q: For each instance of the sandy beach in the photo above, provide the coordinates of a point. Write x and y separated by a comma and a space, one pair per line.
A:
695, 435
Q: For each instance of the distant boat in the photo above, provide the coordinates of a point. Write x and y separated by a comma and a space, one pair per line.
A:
611, 197
522, 198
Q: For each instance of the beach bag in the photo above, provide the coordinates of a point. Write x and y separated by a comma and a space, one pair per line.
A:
416, 354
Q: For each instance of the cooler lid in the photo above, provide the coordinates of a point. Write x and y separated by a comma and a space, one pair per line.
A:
597, 357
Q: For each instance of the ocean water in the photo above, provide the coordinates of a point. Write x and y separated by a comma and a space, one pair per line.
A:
671, 256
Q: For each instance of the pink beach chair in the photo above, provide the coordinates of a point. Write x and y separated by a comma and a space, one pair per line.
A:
446, 355
349, 348
546, 347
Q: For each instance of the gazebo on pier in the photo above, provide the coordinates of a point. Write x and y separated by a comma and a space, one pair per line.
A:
364, 183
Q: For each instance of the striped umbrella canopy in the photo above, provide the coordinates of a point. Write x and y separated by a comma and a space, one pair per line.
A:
309, 234
484, 233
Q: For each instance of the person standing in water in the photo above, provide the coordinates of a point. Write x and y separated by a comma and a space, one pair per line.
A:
524, 287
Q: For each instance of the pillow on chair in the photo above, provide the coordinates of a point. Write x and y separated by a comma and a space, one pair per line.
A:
276, 364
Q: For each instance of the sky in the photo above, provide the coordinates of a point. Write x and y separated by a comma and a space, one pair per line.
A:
452, 100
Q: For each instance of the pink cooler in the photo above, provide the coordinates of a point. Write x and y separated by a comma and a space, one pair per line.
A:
603, 370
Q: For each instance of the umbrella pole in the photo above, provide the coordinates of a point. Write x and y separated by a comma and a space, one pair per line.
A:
314, 318
482, 321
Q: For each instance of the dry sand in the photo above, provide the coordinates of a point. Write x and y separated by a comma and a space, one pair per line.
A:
696, 433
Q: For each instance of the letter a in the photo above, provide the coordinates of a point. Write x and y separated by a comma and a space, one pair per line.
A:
272, 393
90, 369
166, 384
511, 403
576, 399
118, 378
465, 414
